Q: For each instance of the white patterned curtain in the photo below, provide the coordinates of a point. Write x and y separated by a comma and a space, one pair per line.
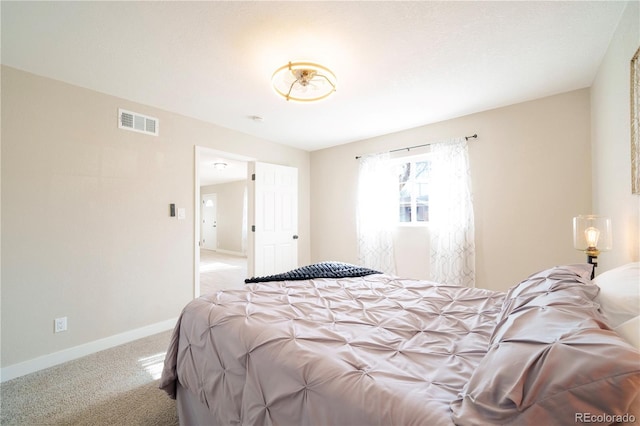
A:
377, 207
451, 223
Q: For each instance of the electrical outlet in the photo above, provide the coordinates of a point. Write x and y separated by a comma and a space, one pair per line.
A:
60, 324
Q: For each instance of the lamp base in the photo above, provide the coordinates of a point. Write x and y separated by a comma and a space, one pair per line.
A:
593, 260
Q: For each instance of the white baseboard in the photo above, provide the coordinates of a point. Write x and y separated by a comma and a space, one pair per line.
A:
50, 360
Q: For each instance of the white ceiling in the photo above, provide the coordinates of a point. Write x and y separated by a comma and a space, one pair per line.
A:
399, 64
236, 167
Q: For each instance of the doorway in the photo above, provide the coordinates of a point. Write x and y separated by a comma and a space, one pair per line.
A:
220, 223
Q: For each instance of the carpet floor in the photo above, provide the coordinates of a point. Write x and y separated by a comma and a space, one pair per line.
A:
219, 271
118, 386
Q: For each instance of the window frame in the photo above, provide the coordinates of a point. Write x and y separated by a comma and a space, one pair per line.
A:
397, 161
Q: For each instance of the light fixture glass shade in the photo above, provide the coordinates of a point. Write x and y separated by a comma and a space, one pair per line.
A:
219, 166
303, 81
592, 234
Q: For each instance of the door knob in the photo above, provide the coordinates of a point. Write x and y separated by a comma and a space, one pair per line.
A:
295, 237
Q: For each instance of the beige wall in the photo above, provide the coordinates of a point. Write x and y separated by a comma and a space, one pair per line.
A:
230, 199
530, 169
611, 136
86, 231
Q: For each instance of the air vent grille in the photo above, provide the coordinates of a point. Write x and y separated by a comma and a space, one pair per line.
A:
137, 122
150, 125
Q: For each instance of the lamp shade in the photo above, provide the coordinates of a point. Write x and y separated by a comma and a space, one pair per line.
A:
592, 233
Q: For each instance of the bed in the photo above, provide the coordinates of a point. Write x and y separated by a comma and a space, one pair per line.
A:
364, 348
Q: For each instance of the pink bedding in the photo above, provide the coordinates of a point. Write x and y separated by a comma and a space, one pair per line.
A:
369, 350
380, 350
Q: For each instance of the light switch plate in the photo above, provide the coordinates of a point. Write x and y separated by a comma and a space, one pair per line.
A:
182, 214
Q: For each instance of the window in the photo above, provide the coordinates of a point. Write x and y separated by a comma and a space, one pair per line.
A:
413, 189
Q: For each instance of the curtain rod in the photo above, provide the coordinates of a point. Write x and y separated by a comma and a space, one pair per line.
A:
409, 148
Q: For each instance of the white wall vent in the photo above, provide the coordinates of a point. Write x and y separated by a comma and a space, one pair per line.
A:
137, 122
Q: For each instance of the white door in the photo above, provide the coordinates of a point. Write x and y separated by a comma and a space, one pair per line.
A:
273, 211
209, 230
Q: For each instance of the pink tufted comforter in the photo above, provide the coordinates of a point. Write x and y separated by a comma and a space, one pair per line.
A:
353, 351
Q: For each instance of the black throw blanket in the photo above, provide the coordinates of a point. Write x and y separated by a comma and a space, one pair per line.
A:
317, 270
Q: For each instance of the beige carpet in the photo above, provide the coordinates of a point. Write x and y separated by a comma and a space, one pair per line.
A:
118, 386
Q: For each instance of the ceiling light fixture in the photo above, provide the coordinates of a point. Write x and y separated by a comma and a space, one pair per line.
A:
219, 166
303, 82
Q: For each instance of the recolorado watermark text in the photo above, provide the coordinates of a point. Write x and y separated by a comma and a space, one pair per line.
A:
604, 418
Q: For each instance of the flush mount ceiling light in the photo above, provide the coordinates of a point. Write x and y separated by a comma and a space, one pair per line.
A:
220, 166
303, 81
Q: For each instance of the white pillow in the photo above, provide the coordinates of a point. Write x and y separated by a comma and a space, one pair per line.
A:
630, 331
619, 296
